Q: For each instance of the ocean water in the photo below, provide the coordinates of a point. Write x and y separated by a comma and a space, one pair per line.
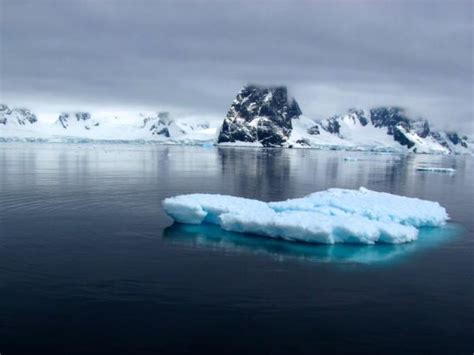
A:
89, 262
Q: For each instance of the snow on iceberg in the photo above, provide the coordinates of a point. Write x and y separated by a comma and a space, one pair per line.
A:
331, 216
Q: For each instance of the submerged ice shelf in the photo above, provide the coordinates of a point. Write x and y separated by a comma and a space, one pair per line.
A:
213, 237
331, 216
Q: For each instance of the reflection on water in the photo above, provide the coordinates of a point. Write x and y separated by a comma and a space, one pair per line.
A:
212, 236
256, 174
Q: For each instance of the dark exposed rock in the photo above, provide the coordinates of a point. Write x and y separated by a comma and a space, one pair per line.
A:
260, 114
450, 139
389, 117
304, 142
440, 139
401, 138
4, 112
159, 124
163, 132
396, 122
5, 109
359, 115
313, 130
424, 130
455, 139
332, 125
65, 119
25, 116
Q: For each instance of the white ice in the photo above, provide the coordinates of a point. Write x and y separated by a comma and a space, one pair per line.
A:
331, 216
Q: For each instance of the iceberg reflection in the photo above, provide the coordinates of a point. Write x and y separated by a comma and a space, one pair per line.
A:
213, 237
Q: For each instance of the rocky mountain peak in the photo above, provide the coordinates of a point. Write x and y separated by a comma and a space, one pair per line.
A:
260, 114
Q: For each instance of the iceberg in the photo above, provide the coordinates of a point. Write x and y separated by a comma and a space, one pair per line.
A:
328, 217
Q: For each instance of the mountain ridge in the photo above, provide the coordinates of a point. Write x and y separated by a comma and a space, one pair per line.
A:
260, 116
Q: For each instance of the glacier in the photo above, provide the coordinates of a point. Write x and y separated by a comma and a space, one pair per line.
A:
327, 217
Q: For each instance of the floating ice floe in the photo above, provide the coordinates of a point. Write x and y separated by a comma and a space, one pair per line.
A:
435, 169
331, 216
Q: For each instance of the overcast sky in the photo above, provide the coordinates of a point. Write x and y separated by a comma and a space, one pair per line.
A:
194, 56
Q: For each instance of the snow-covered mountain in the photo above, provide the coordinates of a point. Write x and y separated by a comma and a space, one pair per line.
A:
382, 128
161, 124
16, 116
22, 125
266, 116
259, 116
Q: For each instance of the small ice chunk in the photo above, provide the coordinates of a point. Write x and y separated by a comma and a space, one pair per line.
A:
331, 216
436, 169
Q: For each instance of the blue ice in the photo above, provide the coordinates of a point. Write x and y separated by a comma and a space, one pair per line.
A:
328, 217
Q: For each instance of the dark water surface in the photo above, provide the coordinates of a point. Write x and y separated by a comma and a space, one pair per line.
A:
89, 262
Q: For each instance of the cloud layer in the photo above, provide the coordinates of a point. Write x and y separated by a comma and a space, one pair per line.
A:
193, 56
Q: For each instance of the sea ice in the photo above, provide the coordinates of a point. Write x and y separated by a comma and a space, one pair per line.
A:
331, 216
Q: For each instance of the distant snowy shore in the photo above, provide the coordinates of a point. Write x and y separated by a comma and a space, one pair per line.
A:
258, 117
128, 134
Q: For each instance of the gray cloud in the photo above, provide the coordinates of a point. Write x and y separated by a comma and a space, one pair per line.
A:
193, 56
